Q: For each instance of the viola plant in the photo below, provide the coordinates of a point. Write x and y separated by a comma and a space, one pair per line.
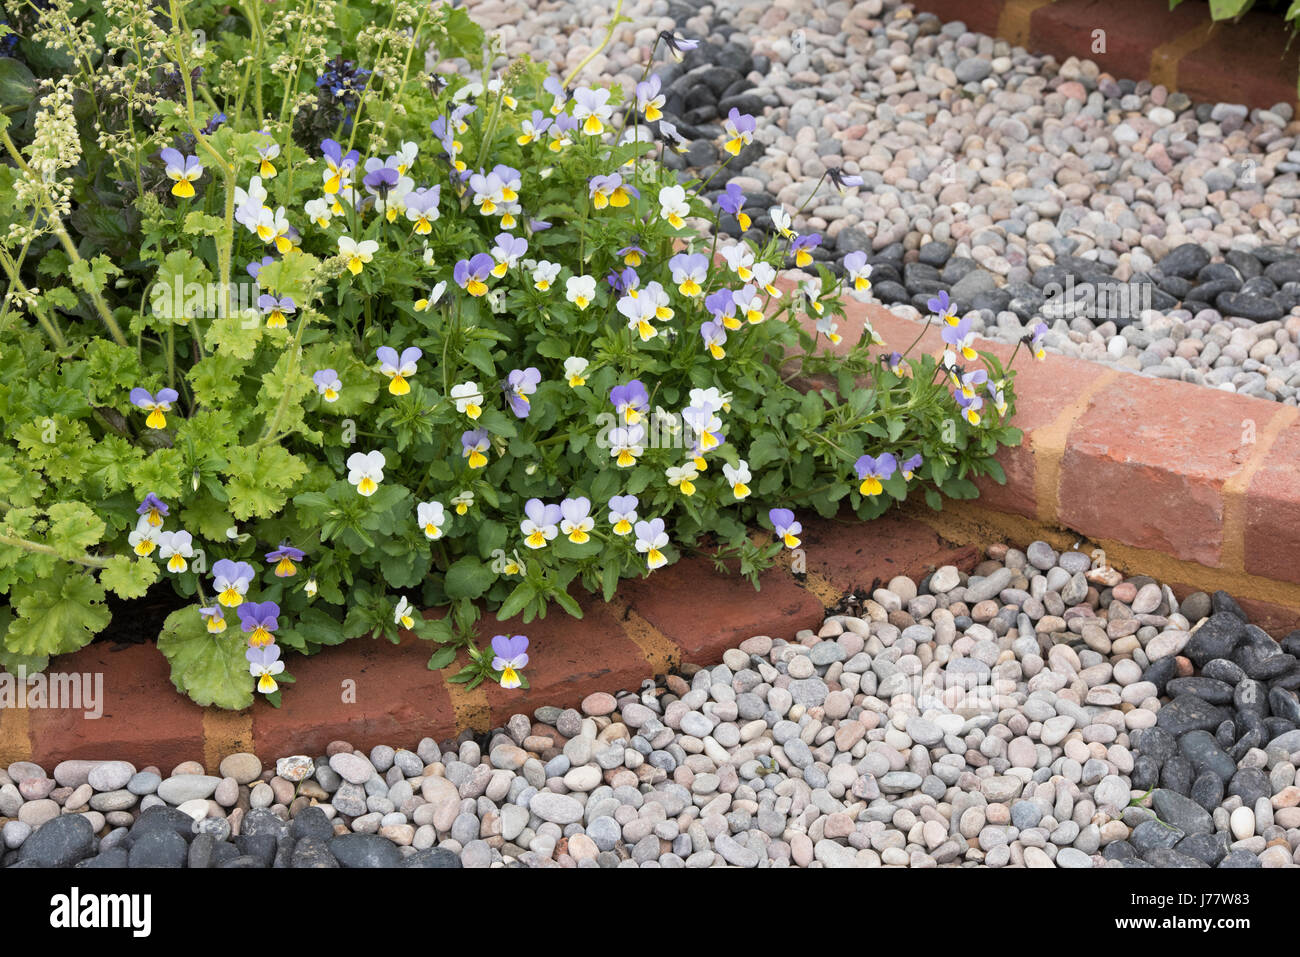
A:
371, 332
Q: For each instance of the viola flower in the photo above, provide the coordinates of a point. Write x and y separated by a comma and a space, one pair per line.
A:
802, 248
431, 300
357, 254
328, 384
711, 399
626, 445
610, 191
960, 337
715, 337
969, 382
576, 521
507, 252
706, 425
259, 621
580, 290
639, 312
722, 307
575, 368
541, 524
506, 565
544, 274
559, 132
622, 513
781, 221
1035, 341
154, 508
765, 277
689, 271
249, 205
738, 478
895, 363
739, 128
872, 472
673, 206
658, 296
651, 539
909, 466
318, 211
175, 548
748, 304
534, 128
145, 537
625, 281
671, 138
682, 477
677, 46
970, 407
732, 201
264, 664
398, 368
215, 619
559, 92
842, 180
828, 327
284, 557
366, 471
632, 255
857, 270
309, 588
230, 580
431, 518
254, 269
276, 310
786, 528
468, 398
473, 445
489, 192
520, 384
338, 167
740, 259
422, 209
184, 171
997, 397
404, 158
942, 307
462, 502
591, 108
471, 274
265, 167
509, 656
630, 401
403, 614
156, 405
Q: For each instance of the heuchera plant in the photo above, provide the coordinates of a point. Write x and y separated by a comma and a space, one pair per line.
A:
323, 336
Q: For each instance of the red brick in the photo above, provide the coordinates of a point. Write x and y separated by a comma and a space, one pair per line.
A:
398, 700
1146, 463
145, 721
1246, 62
980, 16
852, 554
705, 612
568, 658
1272, 512
1133, 31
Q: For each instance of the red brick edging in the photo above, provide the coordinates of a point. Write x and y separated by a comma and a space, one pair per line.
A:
1245, 61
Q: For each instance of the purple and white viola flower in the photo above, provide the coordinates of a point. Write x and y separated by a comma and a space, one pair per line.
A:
398, 368
509, 656
230, 580
520, 384
156, 406
785, 526
541, 524
328, 384
264, 664
259, 620
284, 556
183, 170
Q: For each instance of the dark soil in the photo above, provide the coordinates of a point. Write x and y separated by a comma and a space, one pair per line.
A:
138, 620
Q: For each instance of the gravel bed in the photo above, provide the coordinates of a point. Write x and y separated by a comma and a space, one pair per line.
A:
1019, 184
1036, 712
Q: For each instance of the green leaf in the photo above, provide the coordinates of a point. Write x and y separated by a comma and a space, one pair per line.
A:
468, 578
211, 669
58, 614
127, 577
17, 85
74, 528
443, 657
